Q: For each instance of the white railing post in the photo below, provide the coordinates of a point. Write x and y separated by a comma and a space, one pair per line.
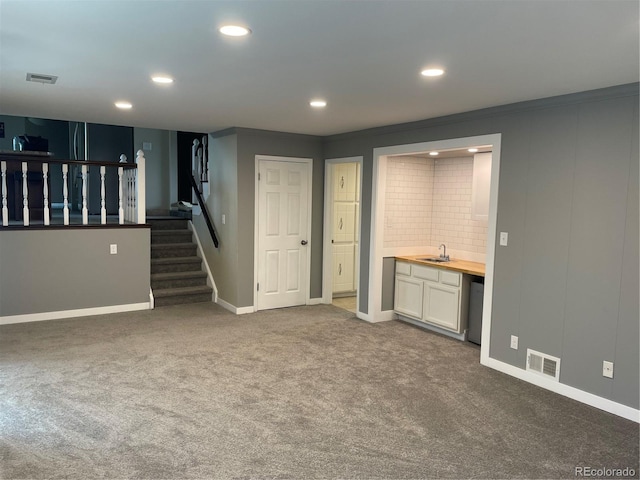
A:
85, 212
5, 210
128, 214
120, 209
141, 191
25, 195
45, 192
65, 193
103, 209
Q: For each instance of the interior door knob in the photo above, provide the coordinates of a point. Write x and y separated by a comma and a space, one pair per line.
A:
303, 242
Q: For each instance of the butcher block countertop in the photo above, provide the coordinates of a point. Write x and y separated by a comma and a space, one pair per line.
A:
464, 266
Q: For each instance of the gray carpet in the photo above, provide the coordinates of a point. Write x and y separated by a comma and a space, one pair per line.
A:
191, 391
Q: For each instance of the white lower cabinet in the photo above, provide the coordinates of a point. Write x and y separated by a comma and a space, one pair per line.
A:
441, 305
408, 296
434, 296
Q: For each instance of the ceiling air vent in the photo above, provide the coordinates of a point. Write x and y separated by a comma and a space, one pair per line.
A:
41, 78
543, 364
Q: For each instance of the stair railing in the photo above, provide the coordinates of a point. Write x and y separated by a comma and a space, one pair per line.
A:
205, 212
25, 180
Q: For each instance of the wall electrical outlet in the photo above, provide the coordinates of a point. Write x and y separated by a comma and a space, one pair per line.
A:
514, 342
113, 249
607, 369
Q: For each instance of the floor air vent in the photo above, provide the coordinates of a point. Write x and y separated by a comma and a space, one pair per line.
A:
543, 364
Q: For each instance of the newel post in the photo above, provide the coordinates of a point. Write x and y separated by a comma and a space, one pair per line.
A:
141, 183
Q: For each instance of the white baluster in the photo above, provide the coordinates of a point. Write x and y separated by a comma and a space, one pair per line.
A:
127, 198
85, 212
65, 193
141, 191
103, 209
45, 192
5, 210
132, 196
25, 195
120, 209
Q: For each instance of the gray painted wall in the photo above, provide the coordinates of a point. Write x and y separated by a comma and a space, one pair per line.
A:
567, 284
157, 165
223, 173
57, 270
235, 189
258, 142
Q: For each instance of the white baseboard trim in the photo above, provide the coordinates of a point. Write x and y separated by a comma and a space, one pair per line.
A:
565, 390
233, 308
210, 281
315, 301
81, 312
384, 316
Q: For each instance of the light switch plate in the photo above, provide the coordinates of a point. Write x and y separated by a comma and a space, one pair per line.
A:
504, 238
113, 249
607, 369
147, 146
514, 342
224, 219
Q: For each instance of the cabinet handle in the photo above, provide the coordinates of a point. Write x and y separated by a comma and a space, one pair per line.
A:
339, 269
341, 182
340, 224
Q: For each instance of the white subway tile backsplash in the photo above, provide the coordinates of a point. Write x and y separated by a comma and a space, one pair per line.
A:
429, 202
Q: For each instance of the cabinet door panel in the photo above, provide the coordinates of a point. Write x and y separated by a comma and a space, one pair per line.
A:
344, 223
343, 268
408, 297
345, 182
441, 305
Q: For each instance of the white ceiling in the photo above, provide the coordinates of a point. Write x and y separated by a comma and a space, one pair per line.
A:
364, 57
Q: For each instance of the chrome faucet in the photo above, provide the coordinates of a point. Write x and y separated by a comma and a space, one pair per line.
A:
444, 255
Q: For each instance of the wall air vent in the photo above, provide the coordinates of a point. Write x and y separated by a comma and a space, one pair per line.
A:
41, 78
543, 364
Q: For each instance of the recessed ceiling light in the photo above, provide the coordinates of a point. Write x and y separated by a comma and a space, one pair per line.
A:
318, 103
124, 105
234, 30
433, 154
432, 72
472, 150
162, 79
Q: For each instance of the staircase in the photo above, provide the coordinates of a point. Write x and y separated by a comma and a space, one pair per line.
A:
177, 276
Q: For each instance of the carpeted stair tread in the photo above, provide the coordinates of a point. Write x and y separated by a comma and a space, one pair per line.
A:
169, 246
179, 236
168, 224
175, 260
170, 232
170, 292
177, 275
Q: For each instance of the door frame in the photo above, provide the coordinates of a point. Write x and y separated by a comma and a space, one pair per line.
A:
376, 245
327, 251
256, 234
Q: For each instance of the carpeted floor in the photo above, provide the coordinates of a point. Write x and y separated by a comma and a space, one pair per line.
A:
304, 393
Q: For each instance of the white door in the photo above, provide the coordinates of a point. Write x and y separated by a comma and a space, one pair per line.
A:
283, 229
